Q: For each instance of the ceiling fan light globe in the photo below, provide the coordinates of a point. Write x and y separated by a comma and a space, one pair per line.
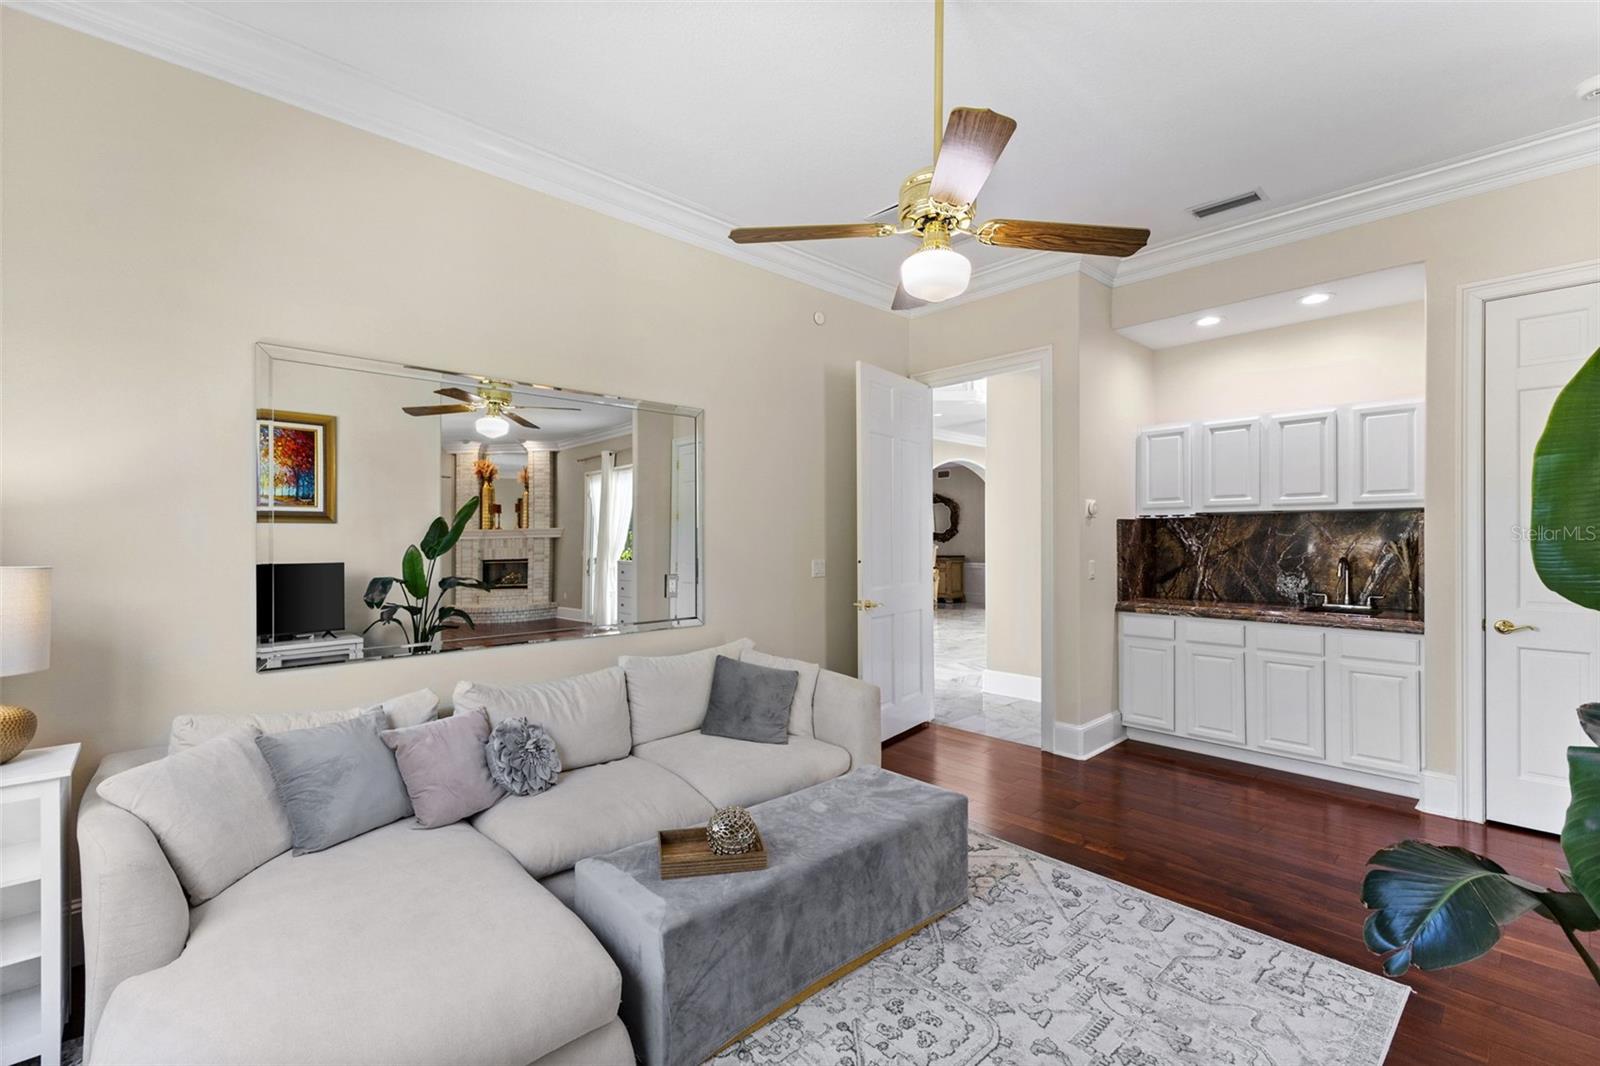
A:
492, 426
935, 274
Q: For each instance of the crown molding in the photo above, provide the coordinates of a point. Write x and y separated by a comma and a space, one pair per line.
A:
220, 47
1509, 164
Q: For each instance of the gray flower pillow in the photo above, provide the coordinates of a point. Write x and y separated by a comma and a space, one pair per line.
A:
522, 757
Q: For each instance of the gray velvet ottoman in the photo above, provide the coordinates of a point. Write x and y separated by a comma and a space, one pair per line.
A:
854, 864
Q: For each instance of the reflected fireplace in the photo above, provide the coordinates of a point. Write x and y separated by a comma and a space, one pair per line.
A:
505, 573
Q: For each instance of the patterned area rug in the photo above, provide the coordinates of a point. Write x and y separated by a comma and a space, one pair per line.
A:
1048, 963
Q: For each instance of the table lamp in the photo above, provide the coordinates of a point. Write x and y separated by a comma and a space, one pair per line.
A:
24, 645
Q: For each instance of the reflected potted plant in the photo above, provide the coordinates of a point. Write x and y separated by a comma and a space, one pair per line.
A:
422, 614
1434, 906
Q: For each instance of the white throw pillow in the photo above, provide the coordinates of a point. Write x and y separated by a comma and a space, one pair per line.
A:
587, 715
800, 721
667, 694
213, 808
188, 730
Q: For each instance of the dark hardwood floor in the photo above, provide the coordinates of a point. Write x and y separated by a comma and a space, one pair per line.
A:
1283, 855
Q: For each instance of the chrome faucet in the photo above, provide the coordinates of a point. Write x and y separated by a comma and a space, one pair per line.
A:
1344, 578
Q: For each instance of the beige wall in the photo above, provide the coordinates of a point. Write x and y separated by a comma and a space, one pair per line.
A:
1117, 386
1355, 358
967, 490
1539, 224
1012, 525
945, 451
572, 464
157, 223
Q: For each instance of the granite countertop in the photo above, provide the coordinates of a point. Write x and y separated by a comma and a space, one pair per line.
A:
1387, 622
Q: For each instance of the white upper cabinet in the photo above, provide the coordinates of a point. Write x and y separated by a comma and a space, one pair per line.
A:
1382, 462
1163, 470
1302, 453
1230, 464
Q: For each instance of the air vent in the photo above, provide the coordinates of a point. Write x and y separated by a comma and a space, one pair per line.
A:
941, 473
1207, 210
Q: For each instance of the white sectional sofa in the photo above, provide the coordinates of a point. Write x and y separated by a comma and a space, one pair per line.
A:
453, 944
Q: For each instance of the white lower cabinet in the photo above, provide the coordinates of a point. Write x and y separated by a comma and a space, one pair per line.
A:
1343, 704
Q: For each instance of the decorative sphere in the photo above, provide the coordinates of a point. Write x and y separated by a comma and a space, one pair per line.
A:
731, 831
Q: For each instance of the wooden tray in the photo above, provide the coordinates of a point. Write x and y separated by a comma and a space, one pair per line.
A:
686, 853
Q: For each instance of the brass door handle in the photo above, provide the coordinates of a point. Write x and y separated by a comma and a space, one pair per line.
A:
867, 605
1506, 625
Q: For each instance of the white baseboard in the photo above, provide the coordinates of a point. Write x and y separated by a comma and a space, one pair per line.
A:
1441, 794
571, 614
1090, 739
1011, 686
1323, 772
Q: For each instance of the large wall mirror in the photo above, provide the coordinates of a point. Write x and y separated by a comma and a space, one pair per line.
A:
403, 510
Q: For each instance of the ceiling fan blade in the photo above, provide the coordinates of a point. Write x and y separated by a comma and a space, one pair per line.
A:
460, 394
1115, 241
973, 141
518, 419
440, 409
769, 234
904, 301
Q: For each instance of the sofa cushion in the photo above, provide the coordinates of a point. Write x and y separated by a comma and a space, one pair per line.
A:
750, 702
805, 692
589, 812
443, 766
667, 694
735, 771
413, 708
335, 781
213, 809
397, 947
587, 715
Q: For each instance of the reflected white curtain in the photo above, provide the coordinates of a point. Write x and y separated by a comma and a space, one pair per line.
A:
616, 509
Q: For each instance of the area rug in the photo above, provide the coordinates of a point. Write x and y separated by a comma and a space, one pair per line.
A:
1048, 963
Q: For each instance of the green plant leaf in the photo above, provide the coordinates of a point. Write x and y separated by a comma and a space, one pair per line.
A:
377, 591
456, 612
434, 537
415, 575
1436, 907
1566, 491
1580, 836
458, 525
448, 583
1589, 719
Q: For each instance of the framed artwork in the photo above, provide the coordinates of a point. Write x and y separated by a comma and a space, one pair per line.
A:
297, 467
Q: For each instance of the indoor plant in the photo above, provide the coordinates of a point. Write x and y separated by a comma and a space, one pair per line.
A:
1439, 906
425, 610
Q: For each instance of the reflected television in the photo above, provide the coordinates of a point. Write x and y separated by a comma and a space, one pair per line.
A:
298, 599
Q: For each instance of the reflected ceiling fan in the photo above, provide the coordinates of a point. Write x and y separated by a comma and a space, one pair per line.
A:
938, 203
493, 398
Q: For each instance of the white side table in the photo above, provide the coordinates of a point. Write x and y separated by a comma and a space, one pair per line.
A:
34, 790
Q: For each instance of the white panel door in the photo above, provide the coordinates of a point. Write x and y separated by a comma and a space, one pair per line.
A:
1302, 459
1164, 470
1535, 677
894, 545
1148, 683
1286, 703
1230, 464
1211, 692
1380, 706
1383, 461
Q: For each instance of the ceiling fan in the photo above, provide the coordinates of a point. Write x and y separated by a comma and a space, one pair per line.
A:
938, 203
493, 398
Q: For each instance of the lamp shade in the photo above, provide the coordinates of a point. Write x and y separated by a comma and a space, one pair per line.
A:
24, 619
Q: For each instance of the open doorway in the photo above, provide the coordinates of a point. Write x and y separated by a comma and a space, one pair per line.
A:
987, 555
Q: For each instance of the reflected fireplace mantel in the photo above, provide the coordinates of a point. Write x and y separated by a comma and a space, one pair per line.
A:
549, 533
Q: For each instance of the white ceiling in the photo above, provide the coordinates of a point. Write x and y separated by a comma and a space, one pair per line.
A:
704, 115
582, 421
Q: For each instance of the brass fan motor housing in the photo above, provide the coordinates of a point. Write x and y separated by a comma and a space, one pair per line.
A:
917, 208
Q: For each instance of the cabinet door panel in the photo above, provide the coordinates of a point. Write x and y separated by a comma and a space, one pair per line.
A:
1146, 685
1163, 470
1381, 711
1211, 691
1384, 461
1302, 459
1286, 702
1230, 464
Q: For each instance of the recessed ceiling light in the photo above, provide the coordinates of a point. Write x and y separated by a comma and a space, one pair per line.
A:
1312, 299
1207, 321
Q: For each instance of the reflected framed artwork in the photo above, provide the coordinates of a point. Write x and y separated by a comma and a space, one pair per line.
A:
297, 467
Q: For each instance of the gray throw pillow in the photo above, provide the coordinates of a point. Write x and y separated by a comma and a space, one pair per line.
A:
750, 702
522, 756
443, 766
335, 781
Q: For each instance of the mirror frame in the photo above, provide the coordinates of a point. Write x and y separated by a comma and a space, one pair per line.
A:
267, 352
949, 532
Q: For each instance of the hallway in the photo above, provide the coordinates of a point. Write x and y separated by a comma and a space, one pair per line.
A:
960, 653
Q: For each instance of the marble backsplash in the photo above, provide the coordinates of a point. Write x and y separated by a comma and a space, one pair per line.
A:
1272, 557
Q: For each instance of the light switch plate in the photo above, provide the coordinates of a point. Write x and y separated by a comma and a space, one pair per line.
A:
819, 568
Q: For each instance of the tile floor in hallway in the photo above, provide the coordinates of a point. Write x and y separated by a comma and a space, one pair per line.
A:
960, 651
